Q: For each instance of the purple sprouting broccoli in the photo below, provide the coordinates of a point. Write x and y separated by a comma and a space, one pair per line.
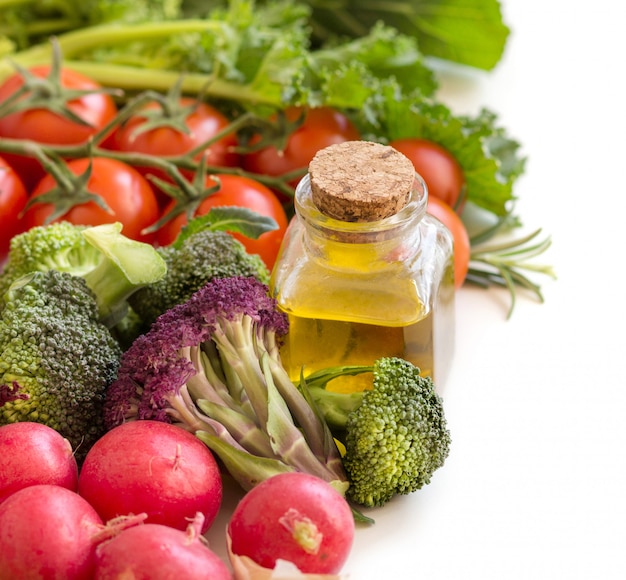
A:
212, 366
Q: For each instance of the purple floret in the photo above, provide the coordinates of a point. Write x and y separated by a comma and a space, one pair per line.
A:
153, 369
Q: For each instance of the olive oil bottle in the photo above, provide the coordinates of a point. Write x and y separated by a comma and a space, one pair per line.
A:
363, 271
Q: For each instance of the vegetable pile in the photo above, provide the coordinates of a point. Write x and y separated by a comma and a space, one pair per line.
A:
149, 153
64, 287
250, 91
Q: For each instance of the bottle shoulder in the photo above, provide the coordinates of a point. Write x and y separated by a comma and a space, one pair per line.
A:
392, 280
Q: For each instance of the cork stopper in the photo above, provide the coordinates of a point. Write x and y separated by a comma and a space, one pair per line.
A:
360, 181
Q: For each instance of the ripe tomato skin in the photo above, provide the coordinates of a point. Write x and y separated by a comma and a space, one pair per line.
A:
127, 193
13, 198
44, 126
445, 214
322, 126
439, 169
203, 122
238, 191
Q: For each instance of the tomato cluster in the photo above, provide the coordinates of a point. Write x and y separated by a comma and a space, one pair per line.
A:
119, 184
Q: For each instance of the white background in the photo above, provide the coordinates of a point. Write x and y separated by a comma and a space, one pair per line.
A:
535, 484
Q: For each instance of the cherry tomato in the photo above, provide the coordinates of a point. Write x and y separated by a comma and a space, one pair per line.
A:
203, 123
321, 127
439, 169
445, 214
127, 193
238, 191
13, 197
45, 126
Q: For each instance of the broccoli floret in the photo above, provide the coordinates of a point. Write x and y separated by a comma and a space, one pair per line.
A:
395, 434
199, 258
59, 246
57, 353
56, 358
113, 265
212, 366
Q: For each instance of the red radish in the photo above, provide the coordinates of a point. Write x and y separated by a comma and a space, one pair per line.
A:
46, 532
158, 552
32, 453
154, 468
295, 517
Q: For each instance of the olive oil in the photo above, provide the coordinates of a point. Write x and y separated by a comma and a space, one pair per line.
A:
313, 344
360, 288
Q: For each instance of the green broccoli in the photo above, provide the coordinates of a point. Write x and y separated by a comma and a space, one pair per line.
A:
192, 261
59, 246
113, 265
56, 358
57, 354
395, 434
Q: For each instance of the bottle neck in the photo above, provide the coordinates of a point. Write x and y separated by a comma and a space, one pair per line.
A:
364, 244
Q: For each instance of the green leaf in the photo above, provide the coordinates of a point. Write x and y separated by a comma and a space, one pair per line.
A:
231, 219
469, 32
490, 160
382, 54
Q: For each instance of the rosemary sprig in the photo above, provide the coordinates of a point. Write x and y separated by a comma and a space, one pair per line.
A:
507, 263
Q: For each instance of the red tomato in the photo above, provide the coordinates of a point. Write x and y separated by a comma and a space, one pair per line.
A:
439, 169
127, 193
238, 191
322, 127
45, 126
203, 122
445, 214
13, 197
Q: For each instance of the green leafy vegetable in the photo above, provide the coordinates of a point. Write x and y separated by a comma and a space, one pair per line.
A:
261, 57
470, 32
490, 159
254, 56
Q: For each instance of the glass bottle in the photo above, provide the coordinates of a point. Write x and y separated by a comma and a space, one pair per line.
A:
364, 271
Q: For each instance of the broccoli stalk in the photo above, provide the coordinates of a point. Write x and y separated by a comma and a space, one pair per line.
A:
211, 365
395, 435
125, 267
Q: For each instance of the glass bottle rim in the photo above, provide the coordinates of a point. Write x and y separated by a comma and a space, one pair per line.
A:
412, 212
